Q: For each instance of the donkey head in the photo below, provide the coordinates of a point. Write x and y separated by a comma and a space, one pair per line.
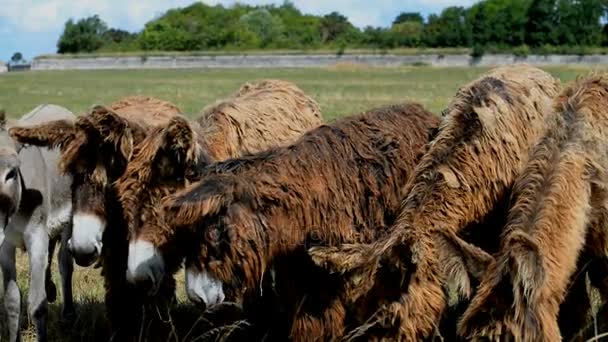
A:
14, 195
163, 163
226, 247
94, 151
100, 160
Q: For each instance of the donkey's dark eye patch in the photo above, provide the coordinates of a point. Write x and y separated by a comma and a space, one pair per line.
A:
10, 175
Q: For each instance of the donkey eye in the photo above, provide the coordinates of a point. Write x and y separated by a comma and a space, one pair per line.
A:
10, 175
213, 235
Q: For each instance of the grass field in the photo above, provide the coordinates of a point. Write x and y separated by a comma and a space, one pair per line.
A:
340, 90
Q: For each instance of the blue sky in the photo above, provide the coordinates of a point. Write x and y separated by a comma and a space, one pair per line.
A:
33, 26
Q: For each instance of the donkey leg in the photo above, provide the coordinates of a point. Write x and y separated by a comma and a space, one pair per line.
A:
572, 318
37, 245
536, 263
51, 289
66, 269
597, 243
12, 296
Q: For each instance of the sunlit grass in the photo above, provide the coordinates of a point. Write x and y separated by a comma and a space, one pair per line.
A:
340, 90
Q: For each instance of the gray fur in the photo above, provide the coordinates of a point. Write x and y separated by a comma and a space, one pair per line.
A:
35, 212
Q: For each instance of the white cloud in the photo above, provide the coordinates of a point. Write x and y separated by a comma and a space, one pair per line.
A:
50, 15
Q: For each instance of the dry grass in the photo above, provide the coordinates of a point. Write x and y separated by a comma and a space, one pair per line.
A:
340, 90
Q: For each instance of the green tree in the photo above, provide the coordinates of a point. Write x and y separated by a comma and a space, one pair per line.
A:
377, 37
408, 33
300, 31
17, 57
541, 22
267, 27
498, 22
408, 16
162, 36
85, 35
579, 22
333, 26
449, 29
117, 35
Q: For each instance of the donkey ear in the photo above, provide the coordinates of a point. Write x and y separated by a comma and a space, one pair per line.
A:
197, 201
126, 144
180, 140
346, 258
107, 122
113, 129
51, 134
464, 261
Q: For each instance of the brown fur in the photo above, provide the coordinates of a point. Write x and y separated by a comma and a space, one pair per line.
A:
340, 183
560, 198
276, 108
144, 110
482, 145
94, 151
261, 115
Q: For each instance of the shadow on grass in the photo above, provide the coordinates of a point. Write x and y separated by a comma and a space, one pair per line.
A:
185, 322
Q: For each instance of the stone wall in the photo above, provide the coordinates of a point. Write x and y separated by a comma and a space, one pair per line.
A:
304, 61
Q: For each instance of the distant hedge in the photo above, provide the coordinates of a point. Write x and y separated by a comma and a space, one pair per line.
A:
517, 26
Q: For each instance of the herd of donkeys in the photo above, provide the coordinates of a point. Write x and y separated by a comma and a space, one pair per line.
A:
487, 222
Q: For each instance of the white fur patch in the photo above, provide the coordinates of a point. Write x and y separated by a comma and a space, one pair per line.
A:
144, 263
86, 233
202, 286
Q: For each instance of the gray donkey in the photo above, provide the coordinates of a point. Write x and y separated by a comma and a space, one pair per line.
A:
35, 212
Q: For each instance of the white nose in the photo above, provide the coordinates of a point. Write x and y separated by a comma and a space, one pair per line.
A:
145, 263
86, 241
203, 287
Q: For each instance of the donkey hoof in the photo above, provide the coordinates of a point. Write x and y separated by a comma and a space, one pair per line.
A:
51, 292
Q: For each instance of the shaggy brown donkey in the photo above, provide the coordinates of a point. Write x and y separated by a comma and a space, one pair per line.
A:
258, 215
481, 146
264, 114
560, 198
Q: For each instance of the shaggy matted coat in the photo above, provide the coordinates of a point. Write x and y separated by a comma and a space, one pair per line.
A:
261, 115
256, 215
94, 151
560, 201
481, 146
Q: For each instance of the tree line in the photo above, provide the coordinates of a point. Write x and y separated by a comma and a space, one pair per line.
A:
509, 25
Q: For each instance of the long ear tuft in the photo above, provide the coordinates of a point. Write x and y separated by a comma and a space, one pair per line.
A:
464, 261
114, 129
180, 139
205, 198
351, 263
51, 134
342, 259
